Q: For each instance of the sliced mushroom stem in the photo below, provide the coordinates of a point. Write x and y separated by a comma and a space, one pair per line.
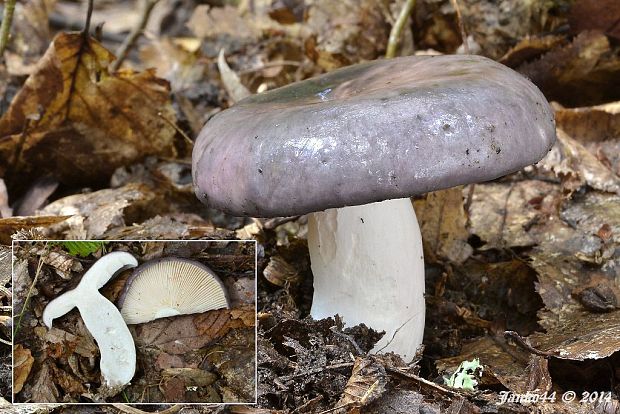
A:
102, 319
368, 267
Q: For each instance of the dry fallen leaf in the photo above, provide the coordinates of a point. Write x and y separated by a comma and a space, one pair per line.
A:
590, 124
10, 226
22, 364
597, 128
236, 90
181, 67
530, 48
346, 32
442, 222
69, 383
191, 376
72, 108
191, 332
366, 384
497, 27
578, 166
501, 213
95, 213
82, 345
281, 273
207, 21
599, 15
583, 335
583, 72
44, 390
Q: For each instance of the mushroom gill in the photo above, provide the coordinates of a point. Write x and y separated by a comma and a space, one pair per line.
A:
169, 287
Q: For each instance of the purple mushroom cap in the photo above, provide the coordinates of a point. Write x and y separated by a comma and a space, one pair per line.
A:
371, 132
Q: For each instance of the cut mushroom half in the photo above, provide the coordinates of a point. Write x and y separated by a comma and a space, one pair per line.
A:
171, 286
101, 317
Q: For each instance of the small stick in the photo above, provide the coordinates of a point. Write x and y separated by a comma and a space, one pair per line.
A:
398, 27
424, 383
131, 410
7, 19
34, 282
521, 342
316, 371
89, 14
176, 128
459, 17
267, 65
133, 36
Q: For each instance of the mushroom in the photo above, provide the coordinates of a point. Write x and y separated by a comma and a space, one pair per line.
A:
358, 142
171, 286
102, 319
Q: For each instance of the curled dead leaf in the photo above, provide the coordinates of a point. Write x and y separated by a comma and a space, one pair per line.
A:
531, 48
584, 72
366, 384
281, 273
579, 166
236, 90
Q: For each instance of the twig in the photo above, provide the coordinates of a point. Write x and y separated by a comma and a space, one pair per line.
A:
468, 201
338, 407
396, 332
131, 410
398, 27
176, 128
64, 23
272, 223
316, 371
509, 349
459, 17
34, 282
424, 383
89, 14
502, 226
267, 65
349, 338
133, 36
7, 19
529, 348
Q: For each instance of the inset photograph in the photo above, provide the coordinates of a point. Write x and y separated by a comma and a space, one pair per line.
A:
137, 322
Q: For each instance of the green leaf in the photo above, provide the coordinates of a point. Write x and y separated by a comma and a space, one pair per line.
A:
82, 248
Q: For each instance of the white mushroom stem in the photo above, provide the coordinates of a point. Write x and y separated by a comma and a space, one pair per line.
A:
102, 319
368, 267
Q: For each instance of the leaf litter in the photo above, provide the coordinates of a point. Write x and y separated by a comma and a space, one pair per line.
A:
205, 357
